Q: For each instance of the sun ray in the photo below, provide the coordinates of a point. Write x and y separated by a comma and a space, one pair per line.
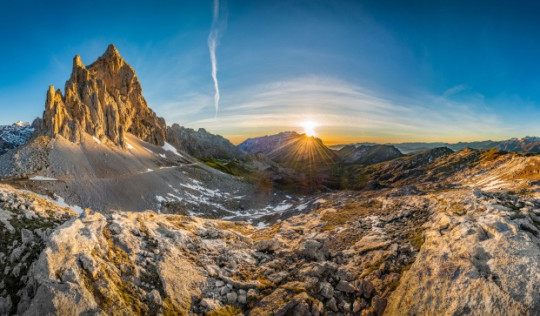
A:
309, 128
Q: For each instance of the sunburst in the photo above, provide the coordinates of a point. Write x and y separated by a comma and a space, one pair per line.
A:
309, 128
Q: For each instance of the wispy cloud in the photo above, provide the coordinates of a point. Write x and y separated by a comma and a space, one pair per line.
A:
213, 41
343, 108
454, 90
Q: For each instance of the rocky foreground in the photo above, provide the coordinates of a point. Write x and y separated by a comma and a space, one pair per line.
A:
454, 252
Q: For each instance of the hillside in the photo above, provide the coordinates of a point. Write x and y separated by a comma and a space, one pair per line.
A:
291, 149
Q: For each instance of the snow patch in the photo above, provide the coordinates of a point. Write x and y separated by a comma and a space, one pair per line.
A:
62, 203
261, 225
58, 201
129, 146
96, 140
282, 207
169, 147
41, 178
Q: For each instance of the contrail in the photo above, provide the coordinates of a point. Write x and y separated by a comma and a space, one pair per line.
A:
212, 44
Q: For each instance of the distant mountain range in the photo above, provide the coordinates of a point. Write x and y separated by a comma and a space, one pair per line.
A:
13, 136
368, 154
201, 144
526, 145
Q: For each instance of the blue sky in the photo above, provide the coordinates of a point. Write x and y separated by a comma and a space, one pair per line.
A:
362, 70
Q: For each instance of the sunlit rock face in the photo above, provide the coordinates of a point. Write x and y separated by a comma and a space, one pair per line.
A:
104, 100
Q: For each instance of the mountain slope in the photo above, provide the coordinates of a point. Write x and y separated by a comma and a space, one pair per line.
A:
291, 149
368, 154
202, 144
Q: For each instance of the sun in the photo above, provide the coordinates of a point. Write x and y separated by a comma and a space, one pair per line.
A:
309, 128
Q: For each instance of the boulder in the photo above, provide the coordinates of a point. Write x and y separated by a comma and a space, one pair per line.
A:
326, 290
232, 297
345, 286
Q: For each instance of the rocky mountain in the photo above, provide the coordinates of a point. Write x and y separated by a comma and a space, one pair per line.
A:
291, 149
368, 154
524, 145
13, 136
101, 147
202, 144
103, 100
298, 150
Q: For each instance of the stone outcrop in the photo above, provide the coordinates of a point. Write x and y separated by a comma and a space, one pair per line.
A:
480, 257
26, 222
104, 100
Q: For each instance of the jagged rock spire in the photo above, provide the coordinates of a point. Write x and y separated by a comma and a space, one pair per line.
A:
104, 100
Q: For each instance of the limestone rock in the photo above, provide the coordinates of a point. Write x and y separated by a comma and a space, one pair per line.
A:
332, 304
326, 290
104, 100
345, 286
379, 304
232, 297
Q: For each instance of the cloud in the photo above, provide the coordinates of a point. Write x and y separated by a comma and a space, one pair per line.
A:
454, 90
348, 109
213, 41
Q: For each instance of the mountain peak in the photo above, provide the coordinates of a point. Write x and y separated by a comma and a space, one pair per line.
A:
111, 51
103, 100
77, 62
291, 149
112, 55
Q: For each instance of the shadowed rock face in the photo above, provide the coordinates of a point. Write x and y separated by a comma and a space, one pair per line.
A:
104, 100
202, 144
368, 154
